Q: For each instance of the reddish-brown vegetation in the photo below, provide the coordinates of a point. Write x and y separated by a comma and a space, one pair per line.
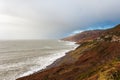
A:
83, 36
97, 59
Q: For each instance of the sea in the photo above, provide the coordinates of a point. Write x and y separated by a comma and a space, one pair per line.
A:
20, 58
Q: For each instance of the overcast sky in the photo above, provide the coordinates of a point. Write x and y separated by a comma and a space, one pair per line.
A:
48, 19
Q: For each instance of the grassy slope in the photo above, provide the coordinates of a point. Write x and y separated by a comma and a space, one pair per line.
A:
93, 60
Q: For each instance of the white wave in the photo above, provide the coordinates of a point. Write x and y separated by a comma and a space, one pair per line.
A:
44, 62
27, 60
47, 60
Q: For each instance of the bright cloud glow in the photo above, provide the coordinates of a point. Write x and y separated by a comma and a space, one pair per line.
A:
41, 19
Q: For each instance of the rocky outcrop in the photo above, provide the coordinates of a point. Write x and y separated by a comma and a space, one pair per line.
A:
115, 38
110, 38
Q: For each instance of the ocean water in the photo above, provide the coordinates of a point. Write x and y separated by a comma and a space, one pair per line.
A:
21, 58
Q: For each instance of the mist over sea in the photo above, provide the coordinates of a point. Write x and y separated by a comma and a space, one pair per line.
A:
21, 58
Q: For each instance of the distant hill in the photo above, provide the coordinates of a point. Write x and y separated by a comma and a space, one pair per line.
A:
95, 59
83, 36
91, 34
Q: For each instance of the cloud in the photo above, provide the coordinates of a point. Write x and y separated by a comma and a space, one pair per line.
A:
38, 19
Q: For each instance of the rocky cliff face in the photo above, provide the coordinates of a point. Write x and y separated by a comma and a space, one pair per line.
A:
95, 59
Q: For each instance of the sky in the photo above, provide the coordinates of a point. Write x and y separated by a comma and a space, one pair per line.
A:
55, 19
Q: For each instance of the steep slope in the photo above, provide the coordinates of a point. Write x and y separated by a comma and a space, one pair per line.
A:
97, 59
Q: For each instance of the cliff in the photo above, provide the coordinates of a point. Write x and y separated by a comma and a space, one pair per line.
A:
95, 59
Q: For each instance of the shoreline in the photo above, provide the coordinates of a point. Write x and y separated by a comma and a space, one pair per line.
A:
55, 63
58, 62
93, 59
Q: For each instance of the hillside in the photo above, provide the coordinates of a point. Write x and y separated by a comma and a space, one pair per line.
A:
95, 59
83, 36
